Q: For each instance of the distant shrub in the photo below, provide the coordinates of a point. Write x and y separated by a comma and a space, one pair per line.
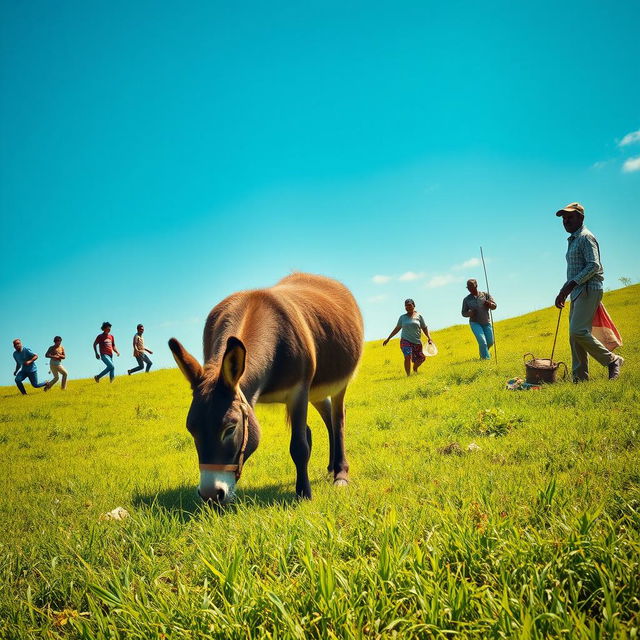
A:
104, 433
59, 433
457, 378
178, 441
146, 413
384, 423
452, 449
3, 439
495, 423
425, 392
39, 415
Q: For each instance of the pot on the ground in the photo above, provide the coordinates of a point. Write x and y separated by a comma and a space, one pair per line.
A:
542, 370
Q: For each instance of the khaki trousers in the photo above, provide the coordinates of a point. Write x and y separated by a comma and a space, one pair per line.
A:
582, 342
55, 370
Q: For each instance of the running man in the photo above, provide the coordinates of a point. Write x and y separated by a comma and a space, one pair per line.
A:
107, 344
139, 352
56, 355
25, 367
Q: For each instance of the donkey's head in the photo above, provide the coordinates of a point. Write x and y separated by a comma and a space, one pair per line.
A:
221, 421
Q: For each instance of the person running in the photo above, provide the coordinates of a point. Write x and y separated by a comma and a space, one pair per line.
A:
107, 344
139, 352
476, 307
25, 367
56, 355
412, 324
585, 276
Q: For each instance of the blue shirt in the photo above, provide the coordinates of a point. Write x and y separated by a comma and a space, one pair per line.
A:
22, 356
583, 262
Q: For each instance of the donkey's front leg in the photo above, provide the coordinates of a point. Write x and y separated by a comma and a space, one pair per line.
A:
300, 448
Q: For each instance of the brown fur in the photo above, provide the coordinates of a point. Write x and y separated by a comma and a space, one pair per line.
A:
307, 329
303, 340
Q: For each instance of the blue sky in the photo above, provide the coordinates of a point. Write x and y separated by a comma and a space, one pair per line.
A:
155, 157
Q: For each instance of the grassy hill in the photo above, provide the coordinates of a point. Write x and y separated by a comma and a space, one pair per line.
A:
534, 534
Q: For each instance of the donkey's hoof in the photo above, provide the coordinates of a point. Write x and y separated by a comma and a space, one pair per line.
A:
340, 482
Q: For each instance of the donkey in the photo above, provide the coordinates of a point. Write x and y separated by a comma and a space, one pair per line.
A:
296, 343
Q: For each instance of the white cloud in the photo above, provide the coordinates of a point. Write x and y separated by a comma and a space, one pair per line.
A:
377, 299
381, 279
630, 138
441, 281
467, 264
410, 276
632, 164
600, 164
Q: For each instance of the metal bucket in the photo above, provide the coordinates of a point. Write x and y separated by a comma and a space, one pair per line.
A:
541, 370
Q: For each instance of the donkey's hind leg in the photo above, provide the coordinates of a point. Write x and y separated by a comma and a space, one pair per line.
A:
340, 464
324, 409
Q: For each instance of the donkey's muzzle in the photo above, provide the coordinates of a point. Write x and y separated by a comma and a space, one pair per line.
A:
217, 487
216, 500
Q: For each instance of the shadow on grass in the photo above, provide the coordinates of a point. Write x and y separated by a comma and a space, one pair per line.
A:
270, 495
186, 503
182, 501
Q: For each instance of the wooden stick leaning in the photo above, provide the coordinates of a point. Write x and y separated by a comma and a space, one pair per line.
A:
556, 336
493, 328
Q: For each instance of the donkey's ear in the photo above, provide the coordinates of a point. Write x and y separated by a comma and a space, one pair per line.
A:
189, 366
233, 362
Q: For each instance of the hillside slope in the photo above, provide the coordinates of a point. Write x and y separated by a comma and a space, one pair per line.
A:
536, 533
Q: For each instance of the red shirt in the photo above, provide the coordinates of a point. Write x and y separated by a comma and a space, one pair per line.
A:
106, 342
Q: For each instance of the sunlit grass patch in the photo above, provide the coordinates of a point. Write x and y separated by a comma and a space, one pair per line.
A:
534, 532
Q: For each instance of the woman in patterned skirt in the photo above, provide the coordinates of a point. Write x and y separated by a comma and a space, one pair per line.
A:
412, 325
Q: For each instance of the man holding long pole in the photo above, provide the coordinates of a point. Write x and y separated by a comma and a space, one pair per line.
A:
584, 284
477, 306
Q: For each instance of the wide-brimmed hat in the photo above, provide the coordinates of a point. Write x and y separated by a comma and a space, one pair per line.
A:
572, 206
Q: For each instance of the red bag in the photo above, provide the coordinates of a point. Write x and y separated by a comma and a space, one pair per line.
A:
604, 330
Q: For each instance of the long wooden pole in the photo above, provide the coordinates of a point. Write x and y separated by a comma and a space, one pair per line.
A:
493, 328
556, 336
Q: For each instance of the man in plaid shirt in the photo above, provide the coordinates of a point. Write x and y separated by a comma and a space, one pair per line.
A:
584, 285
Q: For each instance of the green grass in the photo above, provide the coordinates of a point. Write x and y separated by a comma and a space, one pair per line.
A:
534, 535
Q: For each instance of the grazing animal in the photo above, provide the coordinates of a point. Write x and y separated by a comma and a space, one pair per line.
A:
298, 342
